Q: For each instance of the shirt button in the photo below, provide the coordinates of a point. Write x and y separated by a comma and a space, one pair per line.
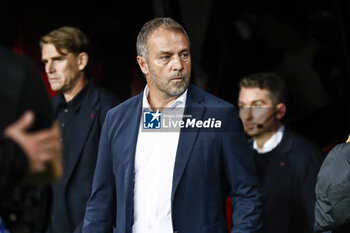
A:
62, 125
66, 110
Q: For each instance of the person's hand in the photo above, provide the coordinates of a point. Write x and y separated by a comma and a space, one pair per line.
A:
41, 147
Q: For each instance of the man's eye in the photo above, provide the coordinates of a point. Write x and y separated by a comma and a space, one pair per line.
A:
258, 105
165, 57
184, 55
57, 59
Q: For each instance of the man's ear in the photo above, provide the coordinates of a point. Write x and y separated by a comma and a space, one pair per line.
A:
143, 65
281, 110
83, 59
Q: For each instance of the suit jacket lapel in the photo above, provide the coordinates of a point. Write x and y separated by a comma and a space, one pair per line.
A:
82, 124
187, 137
277, 165
133, 118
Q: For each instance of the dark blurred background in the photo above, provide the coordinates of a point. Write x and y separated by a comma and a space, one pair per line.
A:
306, 42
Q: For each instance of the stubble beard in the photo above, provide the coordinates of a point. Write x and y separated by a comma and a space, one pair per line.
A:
172, 89
68, 86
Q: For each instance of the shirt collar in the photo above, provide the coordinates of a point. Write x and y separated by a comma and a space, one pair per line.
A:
180, 102
76, 101
272, 143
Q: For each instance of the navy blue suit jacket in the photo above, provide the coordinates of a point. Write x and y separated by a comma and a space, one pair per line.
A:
288, 187
80, 161
208, 167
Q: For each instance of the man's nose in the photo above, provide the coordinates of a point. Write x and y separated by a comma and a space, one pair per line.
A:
49, 67
246, 113
177, 63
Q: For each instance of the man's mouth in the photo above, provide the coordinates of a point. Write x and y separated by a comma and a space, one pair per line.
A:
177, 79
53, 78
250, 126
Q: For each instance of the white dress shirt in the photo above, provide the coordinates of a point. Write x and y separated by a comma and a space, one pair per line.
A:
154, 168
272, 143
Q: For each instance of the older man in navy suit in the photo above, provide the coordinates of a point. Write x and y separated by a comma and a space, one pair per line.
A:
164, 181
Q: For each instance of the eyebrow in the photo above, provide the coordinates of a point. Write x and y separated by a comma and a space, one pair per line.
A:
185, 50
253, 102
169, 52
52, 58
258, 100
164, 52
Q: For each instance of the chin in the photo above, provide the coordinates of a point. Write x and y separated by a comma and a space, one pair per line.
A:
176, 91
56, 88
252, 133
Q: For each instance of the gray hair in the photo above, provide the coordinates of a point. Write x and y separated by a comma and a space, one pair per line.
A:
149, 27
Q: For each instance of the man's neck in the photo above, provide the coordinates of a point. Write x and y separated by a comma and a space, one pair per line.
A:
262, 139
70, 94
163, 103
157, 99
